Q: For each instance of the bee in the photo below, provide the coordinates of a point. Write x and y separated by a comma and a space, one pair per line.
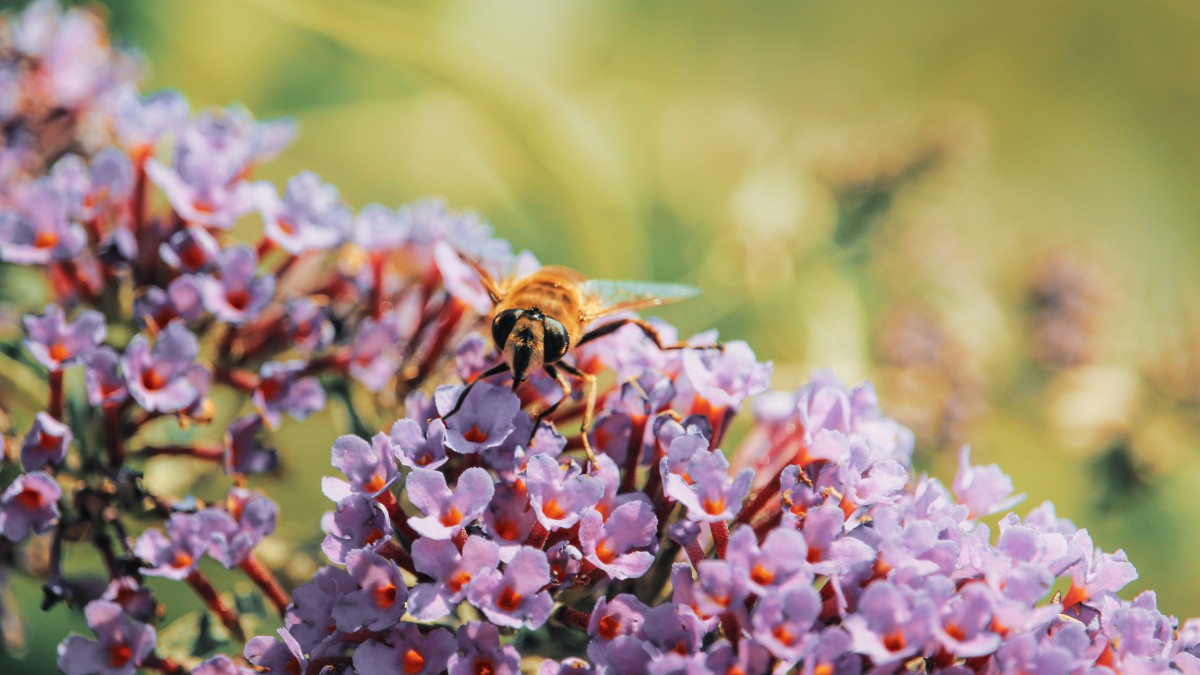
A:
541, 317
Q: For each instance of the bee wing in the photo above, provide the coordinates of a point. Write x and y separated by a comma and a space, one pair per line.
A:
607, 296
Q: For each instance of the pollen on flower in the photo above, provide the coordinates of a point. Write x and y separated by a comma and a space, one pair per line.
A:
823, 669
714, 507
604, 552
1075, 595
953, 630
507, 529
375, 483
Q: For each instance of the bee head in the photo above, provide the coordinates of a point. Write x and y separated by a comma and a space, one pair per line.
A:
529, 340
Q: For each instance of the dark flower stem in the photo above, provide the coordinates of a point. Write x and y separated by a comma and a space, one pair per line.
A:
396, 553
162, 665
399, 518
694, 552
216, 605
267, 583
720, 535
207, 452
537, 537
55, 407
112, 429
574, 617
731, 628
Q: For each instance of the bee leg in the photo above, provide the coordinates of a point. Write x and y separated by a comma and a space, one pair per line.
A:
462, 397
647, 328
566, 393
589, 410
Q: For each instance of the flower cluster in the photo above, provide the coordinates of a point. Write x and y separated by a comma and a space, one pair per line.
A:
466, 530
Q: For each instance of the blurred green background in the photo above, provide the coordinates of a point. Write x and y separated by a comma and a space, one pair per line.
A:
989, 209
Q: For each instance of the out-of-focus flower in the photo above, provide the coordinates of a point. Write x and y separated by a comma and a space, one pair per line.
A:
57, 343
29, 505
121, 645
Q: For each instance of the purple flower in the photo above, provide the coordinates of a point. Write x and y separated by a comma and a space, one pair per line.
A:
140, 121
182, 299
137, 600
447, 512
175, 554
221, 665
357, 523
233, 534
718, 587
29, 504
121, 644
418, 448
559, 493
784, 620
379, 229
244, 451
310, 217
612, 619
371, 468
57, 343
190, 250
452, 573
310, 619
375, 353
509, 520
484, 421
1097, 572
309, 326
891, 624
983, 489
46, 443
282, 390
480, 651
406, 650
105, 382
726, 377
212, 154
379, 601
165, 378
234, 294
781, 561
710, 495
39, 230
514, 597
89, 192
964, 620
609, 543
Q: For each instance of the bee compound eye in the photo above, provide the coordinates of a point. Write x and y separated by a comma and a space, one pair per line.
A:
554, 340
502, 325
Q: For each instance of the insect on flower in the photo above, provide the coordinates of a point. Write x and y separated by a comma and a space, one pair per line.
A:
541, 317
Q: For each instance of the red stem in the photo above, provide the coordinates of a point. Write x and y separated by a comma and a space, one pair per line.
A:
694, 552
56, 395
112, 428
267, 583
205, 451
216, 605
162, 664
537, 537
731, 627
396, 553
720, 535
574, 617
399, 518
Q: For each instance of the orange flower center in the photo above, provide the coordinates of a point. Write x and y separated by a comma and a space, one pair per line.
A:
425, 459
784, 636
1075, 595
30, 498
59, 351
484, 667
955, 632
192, 255
509, 599
814, 554
269, 388
44, 240
119, 655
152, 380
288, 227
48, 441
451, 517
203, 206
239, 299
604, 552
553, 510
761, 575
457, 581
823, 669
413, 662
894, 641
610, 627
375, 484
507, 529
714, 506
182, 560
385, 596
475, 435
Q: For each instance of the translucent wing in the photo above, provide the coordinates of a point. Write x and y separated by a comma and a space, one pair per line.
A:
606, 296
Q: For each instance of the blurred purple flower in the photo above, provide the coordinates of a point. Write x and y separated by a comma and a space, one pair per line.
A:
120, 647
29, 505
46, 443
57, 343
